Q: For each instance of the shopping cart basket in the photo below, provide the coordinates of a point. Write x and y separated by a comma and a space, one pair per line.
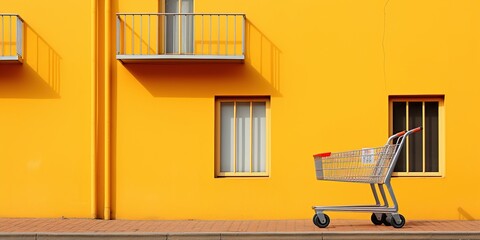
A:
368, 165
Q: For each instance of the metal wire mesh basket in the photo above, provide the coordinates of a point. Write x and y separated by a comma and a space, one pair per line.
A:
368, 165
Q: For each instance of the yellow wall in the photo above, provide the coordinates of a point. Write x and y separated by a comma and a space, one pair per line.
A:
329, 67
45, 114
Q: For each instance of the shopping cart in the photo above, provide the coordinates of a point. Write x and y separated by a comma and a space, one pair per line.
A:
368, 165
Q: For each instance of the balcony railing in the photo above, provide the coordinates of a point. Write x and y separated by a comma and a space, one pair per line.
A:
11, 37
180, 36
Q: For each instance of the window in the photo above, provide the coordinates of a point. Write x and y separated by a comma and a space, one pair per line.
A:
179, 26
422, 152
242, 136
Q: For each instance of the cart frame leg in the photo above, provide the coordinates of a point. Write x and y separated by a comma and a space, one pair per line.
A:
375, 195
392, 195
384, 196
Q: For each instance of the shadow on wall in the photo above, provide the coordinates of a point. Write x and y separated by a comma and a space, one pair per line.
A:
464, 215
259, 75
262, 55
39, 75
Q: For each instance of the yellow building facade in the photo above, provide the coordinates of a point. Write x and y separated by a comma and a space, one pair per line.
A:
209, 109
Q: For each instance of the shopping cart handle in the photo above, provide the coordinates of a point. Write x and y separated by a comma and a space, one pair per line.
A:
327, 154
418, 129
400, 134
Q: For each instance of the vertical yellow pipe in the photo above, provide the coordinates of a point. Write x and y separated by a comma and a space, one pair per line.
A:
93, 109
107, 153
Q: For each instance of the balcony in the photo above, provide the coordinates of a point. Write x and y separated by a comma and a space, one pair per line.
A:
180, 37
11, 38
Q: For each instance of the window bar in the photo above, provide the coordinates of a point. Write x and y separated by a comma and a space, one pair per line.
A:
202, 32
174, 19
180, 35
124, 34
407, 147
180, 21
235, 35
3, 42
218, 42
165, 17
226, 35
235, 136
133, 34
141, 33
148, 45
210, 34
158, 30
173, 35
251, 136
192, 18
243, 34
118, 34
19, 37
10, 23
423, 137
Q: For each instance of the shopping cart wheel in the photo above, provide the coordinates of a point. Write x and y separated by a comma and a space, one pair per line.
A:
398, 225
386, 219
375, 220
318, 223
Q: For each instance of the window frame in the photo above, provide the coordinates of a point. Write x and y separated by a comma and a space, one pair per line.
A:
441, 133
218, 101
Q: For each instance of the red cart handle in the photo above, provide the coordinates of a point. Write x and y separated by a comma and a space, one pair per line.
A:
327, 154
399, 134
415, 130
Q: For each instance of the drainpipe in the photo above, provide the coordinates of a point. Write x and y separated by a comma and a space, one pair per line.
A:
93, 109
107, 98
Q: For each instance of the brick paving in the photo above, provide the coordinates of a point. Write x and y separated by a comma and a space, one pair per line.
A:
37, 225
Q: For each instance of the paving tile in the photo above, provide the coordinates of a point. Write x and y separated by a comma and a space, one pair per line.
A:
112, 226
195, 236
101, 236
26, 236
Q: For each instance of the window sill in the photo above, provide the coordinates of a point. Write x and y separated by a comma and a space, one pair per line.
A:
242, 175
418, 174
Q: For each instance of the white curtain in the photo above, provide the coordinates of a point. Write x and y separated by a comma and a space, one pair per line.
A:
226, 136
259, 141
173, 28
171, 24
243, 137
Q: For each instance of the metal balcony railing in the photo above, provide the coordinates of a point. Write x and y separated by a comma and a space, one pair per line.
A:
11, 37
176, 36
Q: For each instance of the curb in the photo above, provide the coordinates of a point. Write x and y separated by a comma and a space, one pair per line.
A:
245, 236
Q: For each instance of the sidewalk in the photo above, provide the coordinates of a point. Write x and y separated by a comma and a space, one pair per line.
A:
43, 229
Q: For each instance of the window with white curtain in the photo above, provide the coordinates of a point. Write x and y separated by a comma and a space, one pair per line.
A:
242, 136
179, 27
